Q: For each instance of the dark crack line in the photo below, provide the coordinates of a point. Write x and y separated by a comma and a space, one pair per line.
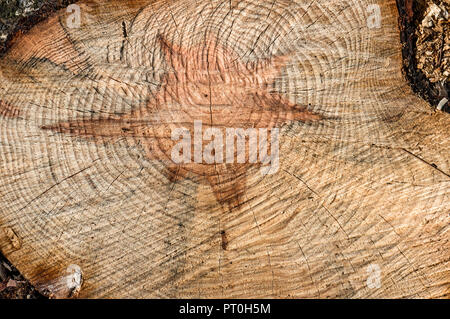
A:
424, 161
54, 185
321, 204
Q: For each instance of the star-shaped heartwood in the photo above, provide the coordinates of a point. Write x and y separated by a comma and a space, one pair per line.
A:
208, 82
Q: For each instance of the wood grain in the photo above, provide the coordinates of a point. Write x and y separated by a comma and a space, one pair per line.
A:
86, 180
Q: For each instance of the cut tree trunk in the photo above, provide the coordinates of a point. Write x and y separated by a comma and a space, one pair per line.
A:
94, 205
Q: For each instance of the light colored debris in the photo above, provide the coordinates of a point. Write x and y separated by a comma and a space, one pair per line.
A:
442, 103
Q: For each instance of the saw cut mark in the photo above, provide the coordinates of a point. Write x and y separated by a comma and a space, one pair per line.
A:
207, 83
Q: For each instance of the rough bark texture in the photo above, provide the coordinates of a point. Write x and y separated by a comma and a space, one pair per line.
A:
89, 195
425, 38
19, 16
13, 285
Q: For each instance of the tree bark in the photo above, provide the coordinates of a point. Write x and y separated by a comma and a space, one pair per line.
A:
92, 205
